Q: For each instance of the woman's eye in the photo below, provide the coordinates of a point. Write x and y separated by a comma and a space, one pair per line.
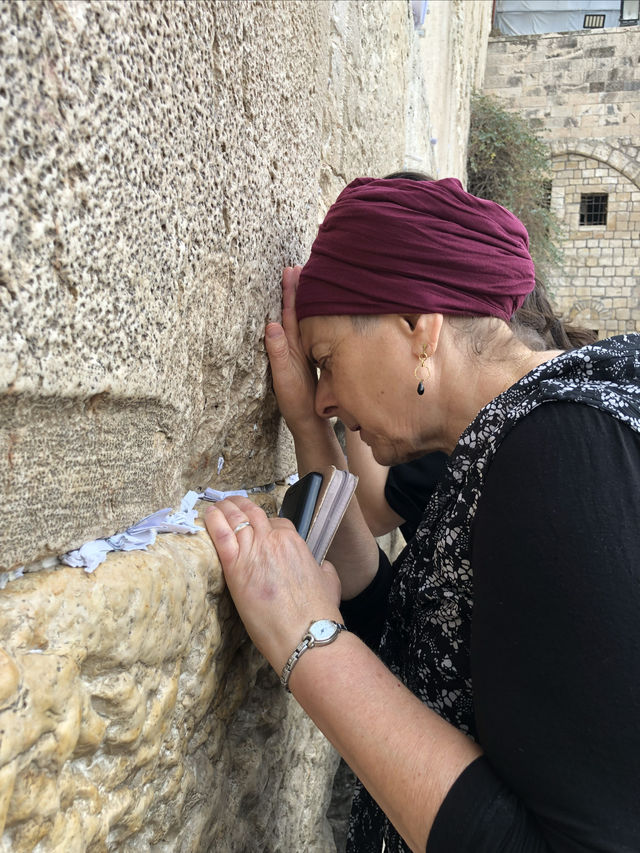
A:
321, 364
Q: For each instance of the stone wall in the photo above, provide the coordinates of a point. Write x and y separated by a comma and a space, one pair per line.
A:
135, 715
580, 91
453, 52
599, 287
160, 162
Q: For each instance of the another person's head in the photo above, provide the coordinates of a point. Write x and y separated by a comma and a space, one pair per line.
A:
537, 324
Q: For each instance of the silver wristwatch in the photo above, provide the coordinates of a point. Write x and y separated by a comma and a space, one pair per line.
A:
320, 633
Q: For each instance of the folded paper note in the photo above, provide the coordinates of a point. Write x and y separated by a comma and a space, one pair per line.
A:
142, 534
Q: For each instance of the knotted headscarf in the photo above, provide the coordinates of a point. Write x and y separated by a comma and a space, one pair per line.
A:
404, 246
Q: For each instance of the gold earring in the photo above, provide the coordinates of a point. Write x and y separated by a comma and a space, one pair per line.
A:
423, 357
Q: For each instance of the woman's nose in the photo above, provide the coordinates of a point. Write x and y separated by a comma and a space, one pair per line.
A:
325, 401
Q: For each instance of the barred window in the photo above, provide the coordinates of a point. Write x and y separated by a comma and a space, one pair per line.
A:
593, 22
593, 209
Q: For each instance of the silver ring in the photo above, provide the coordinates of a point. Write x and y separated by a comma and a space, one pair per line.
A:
241, 525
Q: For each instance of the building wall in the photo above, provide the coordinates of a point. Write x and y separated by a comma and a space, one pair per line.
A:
599, 284
160, 162
581, 93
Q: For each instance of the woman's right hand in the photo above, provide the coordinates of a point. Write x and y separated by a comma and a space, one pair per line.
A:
294, 379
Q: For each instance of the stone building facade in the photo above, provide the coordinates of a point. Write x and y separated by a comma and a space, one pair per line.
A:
160, 162
580, 91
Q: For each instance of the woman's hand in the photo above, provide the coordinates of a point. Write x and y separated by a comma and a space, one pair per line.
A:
354, 550
277, 586
294, 380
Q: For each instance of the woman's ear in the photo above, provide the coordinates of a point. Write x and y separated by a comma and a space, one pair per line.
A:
425, 331
411, 320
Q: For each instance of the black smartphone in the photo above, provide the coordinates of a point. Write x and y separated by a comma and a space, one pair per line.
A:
299, 502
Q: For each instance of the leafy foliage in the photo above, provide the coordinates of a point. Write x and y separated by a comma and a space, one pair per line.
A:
509, 164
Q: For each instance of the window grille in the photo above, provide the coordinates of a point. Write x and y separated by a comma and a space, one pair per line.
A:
593, 209
593, 22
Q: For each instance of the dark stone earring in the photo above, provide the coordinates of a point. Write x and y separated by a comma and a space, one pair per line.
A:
422, 358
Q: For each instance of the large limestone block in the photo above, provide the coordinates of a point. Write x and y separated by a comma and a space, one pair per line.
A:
135, 715
371, 95
151, 192
160, 162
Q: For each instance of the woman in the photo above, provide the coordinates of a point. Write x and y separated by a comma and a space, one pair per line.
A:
397, 496
501, 711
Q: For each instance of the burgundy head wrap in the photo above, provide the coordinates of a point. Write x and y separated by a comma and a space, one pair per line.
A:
403, 246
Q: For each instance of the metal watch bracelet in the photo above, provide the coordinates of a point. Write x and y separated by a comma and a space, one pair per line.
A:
319, 633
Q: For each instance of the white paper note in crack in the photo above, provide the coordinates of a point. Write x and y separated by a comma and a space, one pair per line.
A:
139, 536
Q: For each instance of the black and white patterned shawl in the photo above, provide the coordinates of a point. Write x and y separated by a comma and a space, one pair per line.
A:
426, 641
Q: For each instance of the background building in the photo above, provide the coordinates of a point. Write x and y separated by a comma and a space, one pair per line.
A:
524, 17
580, 91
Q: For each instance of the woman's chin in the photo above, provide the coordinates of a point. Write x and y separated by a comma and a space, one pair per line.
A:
387, 454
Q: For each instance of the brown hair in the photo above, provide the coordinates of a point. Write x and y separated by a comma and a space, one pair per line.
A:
537, 314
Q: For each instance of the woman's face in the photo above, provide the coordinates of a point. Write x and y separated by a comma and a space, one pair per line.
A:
367, 380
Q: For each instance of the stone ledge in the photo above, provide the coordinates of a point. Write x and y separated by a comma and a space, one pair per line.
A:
134, 710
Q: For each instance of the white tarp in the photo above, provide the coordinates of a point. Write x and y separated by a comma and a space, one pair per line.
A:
524, 17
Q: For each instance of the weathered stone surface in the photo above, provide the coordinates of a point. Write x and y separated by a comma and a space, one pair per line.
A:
160, 162
147, 164
159, 165
453, 51
135, 715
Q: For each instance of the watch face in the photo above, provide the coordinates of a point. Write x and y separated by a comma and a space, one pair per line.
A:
324, 629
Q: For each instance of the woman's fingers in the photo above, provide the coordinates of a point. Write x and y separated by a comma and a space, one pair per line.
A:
233, 523
291, 346
294, 381
224, 539
290, 278
277, 586
277, 346
288, 289
256, 516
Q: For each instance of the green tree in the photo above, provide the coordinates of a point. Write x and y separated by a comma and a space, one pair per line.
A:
509, 164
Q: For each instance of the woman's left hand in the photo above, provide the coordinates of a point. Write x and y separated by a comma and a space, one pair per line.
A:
276, 584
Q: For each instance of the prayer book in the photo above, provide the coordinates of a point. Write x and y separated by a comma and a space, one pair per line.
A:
316, 505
